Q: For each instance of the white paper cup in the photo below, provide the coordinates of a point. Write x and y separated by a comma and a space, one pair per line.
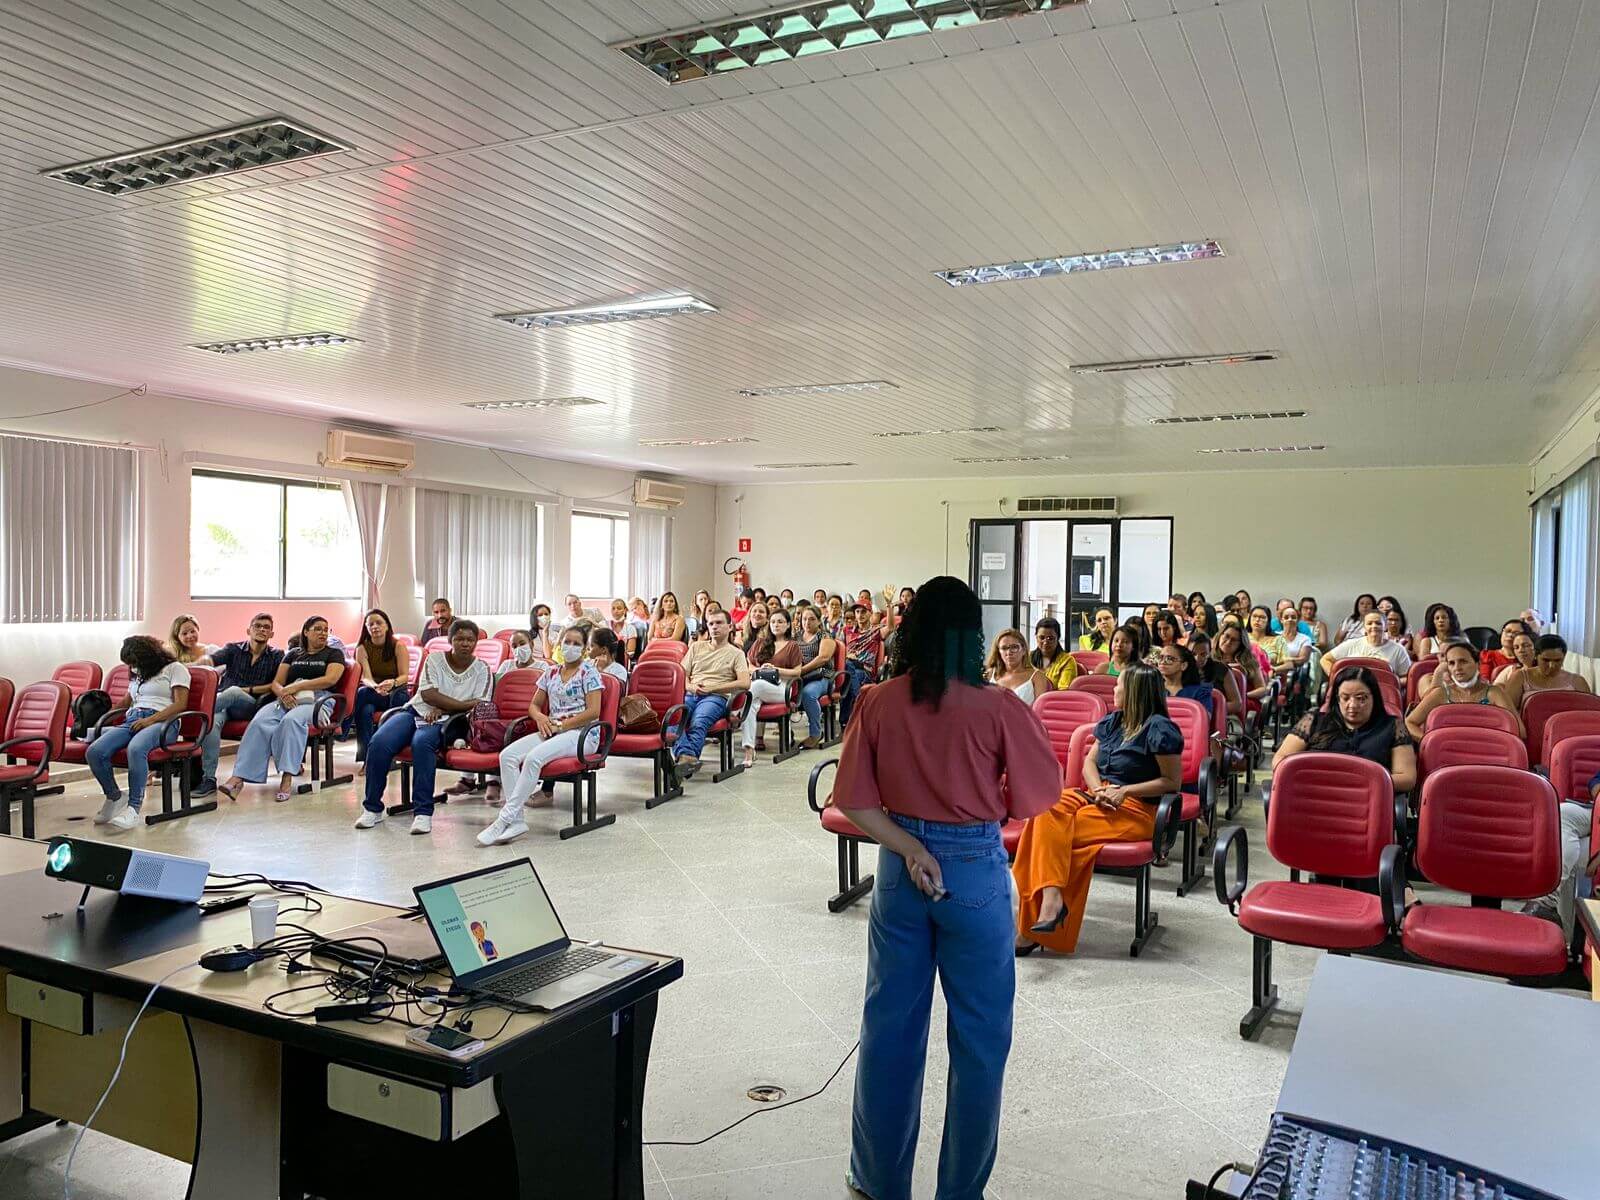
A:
263, 919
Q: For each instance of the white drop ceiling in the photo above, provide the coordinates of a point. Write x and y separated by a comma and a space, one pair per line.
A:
1407, 194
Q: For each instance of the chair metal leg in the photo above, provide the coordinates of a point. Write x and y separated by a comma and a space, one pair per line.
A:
1194, 867
664, 782
1263, 992
1146, 921
851, 886
186, 806
831, 734
584, 785
329, 779
787, 746
725, 758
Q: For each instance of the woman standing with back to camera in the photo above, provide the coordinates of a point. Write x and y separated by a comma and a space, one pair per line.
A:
920, 772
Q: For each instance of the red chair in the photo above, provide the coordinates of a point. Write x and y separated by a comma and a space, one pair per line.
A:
852, 884
665, 649
1472, 716
1104, 686
1493, 833
1332, 815
407, 640
80, 677
1199, 796
1388, 685
1062, 712
180, 742
781, 713
504, 635
116, 683
1089, 660
1540, 707
830, 700
35, 725
659, 679
414, 660
728, 763
513, 693
1459, 746
438, 645
8, 692
1573, 763
321, 735
1420, 670
581, 768
492, 651
1562, 725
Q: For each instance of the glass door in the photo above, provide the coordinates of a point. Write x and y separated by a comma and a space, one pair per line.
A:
996, 574
1088, 577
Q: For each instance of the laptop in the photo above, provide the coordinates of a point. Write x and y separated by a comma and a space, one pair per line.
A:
398, 943
501, 936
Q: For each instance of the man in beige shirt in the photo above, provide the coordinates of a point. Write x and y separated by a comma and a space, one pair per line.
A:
717, 672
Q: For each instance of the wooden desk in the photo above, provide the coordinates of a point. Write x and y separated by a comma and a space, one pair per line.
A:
1589, 919
264, 1106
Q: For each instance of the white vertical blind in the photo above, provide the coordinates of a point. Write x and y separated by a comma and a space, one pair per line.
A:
1544, 557
69, 532
651, 565
369, 510
481, 552
1576, 603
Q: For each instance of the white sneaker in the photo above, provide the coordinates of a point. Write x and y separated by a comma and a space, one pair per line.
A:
126, 819
421, 824
502, 831
108, 809
368, 818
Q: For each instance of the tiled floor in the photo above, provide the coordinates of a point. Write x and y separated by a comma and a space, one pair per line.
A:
1127, 1076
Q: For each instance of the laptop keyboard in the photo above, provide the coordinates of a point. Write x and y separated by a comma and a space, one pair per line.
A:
541, 974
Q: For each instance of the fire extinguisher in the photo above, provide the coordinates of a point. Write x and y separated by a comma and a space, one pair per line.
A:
739, 571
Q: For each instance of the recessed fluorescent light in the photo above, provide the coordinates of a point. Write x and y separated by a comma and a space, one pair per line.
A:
1285, 415
800, 466
1100, 260
551, 402
804, 30
227, 152
288, 341
723, 441
600, 314
808, 389
900, 433
1259, 449
1162, 364
1017, 458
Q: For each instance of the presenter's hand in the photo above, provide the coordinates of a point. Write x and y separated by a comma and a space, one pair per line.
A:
924, 870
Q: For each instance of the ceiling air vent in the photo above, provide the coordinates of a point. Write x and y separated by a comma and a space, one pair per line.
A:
1100, 506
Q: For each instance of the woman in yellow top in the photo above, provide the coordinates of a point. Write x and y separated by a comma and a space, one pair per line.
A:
1271, 644
1050, 656
1099, 638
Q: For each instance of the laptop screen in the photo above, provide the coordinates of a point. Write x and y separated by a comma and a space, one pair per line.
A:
489, 918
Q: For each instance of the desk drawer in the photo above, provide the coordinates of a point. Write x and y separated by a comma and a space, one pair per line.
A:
67, 1009
424, 1110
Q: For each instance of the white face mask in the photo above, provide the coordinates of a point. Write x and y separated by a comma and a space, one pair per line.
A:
570, 653
522, 654
544, 621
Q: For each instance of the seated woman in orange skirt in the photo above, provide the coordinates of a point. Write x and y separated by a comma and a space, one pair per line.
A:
1137, 762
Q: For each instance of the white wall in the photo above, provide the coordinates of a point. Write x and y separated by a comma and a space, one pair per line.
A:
1455, 534
180, 428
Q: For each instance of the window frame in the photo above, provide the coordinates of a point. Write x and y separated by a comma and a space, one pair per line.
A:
283, 486
612, 518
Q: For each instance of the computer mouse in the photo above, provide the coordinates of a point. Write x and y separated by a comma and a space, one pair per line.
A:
230, 958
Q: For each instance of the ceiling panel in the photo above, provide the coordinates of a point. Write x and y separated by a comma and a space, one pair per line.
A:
1406, 194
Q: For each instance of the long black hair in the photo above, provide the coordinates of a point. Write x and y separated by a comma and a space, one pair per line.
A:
1329, 725
608, 641
145, 656
940, 639
366, 634
1054, 626
1356, 614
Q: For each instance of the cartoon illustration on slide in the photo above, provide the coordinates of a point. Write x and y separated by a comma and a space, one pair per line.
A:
480, 934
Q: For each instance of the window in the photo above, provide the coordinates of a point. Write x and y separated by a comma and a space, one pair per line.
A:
481, 551
263, 539
599, 556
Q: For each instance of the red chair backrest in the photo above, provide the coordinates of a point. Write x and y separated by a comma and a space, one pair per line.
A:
1488, 831
1088, 660
1104, 686
504, 635
1080, 745
414, 660
8, 691
1219, 713
39, 710
1194, 722
1540, 707
1574, 762
118, 680
1463, 746
1331, 813
492, 651
1472, 716
80, 677
1420, 670
661, 649
1388, 685
659, 679
405, 639
513, 692
610, 701
438, 645
1061, 713
1241, 684
1563, 725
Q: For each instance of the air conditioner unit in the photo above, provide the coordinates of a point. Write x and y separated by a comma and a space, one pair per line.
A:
368, 451
658, 493
1097, 506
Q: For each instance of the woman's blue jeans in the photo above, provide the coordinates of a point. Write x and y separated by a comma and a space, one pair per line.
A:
370, 705
810, 693
968, 940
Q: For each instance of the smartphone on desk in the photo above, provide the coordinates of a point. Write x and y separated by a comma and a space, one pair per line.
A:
441, 1039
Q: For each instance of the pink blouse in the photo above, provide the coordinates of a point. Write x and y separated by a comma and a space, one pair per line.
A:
947, 764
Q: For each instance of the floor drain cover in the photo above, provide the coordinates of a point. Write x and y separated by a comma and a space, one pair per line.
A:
766, 1093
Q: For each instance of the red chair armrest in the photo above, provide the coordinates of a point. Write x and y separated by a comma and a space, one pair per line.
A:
1168, 809
1392, 885
173, 726
607, 733
1235, 837
738, 707
44, 759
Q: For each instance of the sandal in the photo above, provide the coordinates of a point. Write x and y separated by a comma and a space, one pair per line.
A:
230, 789
280, 797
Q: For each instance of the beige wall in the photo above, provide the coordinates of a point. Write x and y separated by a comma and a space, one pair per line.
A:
1458, 535
185, 429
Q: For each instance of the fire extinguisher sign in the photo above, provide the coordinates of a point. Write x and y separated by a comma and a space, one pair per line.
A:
744, 545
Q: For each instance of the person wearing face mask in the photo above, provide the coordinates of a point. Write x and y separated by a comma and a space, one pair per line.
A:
521, 654
1357, 723
542, 634
385, 666
1008, 666
1462, 684
1546, 674
787, 598
1373, 643
566, 702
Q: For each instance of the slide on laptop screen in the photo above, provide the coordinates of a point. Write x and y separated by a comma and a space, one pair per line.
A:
490, 918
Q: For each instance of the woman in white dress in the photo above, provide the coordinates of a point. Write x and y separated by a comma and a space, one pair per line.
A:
1008, 665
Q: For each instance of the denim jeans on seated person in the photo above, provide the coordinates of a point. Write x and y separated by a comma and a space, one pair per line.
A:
370, 705
810, 693
855, 678
233, 704
703, 712
138, 745
392, 736
967, 939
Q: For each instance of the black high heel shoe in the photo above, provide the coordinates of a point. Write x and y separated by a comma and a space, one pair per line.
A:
1050, 926
1024, 951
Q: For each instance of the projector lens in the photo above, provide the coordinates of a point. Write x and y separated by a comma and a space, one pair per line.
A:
60, 856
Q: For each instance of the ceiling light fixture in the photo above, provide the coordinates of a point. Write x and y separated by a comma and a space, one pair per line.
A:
1259, 449
722, 441
288, 341
1100, 260
803, 30
1209, 418
1163, 364
267, 143
1018, 458
681, 304
900, 433
551, 402
812, 389
802, 466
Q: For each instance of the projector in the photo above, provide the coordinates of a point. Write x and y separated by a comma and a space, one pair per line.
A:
127, 870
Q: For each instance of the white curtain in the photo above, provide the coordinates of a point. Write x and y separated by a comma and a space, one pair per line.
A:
69, 532
1576, 606
1544, 556
482, 552
369, 510
651, 555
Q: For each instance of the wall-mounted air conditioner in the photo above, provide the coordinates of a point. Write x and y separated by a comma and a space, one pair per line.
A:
368, 451
658, 493
1089, 506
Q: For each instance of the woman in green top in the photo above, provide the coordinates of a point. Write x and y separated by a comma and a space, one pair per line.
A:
1098, 639
1124, 652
